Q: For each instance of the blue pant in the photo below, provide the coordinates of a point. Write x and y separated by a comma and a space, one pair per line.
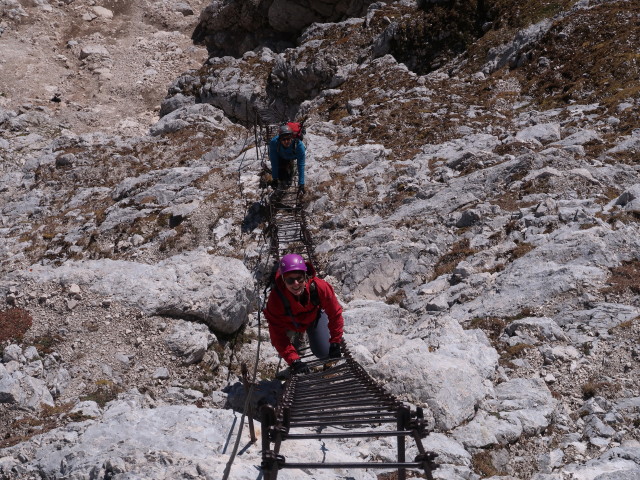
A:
318, 334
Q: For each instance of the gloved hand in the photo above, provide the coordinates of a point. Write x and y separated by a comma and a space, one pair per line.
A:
300, 189
298, 367
274, 183
334, 350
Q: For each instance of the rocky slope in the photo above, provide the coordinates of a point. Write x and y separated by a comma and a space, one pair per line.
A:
474, 195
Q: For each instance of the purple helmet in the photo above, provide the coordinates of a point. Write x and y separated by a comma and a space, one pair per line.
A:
292, 262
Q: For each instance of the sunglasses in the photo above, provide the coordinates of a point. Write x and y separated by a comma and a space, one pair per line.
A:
292, 280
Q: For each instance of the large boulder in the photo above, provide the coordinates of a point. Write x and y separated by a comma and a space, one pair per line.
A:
445, 371
218, 291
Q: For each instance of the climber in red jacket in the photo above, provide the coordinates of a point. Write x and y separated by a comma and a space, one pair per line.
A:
301, 302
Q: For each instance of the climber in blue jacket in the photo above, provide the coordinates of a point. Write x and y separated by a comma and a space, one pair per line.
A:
283, 148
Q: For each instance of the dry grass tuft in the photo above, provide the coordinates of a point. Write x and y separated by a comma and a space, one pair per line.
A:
520, 250
492, 326
482, 464
14, 323
103, 393
593, 388
45, 343
27, 426
459, 251
591, 64
624, 278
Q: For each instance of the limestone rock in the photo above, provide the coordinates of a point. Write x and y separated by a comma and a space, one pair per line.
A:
190, 341
216, 290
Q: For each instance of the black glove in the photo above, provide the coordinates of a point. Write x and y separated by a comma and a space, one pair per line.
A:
274, 183
334, 350
300, 189
299, 367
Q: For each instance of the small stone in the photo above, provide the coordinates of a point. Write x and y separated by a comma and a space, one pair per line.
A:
161, 373
183, 8
97, 50
71, 303
137, 240
13, 353
123, 359
65, 160
31, 354
103, 12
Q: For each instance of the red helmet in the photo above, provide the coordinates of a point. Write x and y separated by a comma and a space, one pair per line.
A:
292, 262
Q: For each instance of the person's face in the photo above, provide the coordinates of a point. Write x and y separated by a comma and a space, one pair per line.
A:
294, 281
286, 140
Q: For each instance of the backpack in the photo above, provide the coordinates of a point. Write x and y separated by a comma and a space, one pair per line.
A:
298, 130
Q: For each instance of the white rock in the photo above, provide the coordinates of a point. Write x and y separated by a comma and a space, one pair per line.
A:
102, 12
190, 341
98, 50
161, 373
217, 290
87, 408
543, 133
13, 353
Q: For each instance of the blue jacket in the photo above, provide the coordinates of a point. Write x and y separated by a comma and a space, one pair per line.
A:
278, 152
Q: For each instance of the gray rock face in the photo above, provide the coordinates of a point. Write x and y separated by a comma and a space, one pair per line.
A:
617, 463
176, 441
630, 199
232, 27
448, 379
174, 103
488, 430
512, 53
528, 400
13, 353
216, 290
24, 390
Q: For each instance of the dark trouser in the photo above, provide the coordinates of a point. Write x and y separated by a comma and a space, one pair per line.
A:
285, 171
318, 334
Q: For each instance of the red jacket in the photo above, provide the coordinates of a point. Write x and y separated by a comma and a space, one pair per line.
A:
304, 313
